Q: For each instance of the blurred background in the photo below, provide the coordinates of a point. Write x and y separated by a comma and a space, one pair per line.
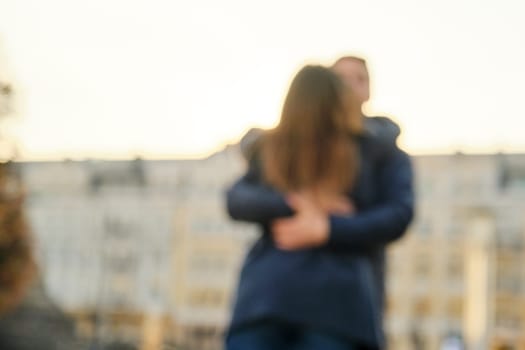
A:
119, 129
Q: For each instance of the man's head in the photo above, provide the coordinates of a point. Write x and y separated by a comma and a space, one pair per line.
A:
354, 72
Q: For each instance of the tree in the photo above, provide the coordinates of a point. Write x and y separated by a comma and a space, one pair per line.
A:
16, 259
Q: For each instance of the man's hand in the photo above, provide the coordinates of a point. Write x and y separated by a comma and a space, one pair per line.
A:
309, 227
336, 204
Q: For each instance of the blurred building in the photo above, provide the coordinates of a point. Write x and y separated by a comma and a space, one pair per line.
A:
104, 233
142, 252
208, 250
460, 271
139, 252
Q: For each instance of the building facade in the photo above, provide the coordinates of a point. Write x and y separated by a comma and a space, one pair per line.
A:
143, 250
459, 272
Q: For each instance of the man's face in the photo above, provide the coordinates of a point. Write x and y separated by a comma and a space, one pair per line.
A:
354, 74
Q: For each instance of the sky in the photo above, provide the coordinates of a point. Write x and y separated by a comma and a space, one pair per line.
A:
173, 78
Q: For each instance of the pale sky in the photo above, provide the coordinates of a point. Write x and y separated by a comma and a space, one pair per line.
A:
173, 78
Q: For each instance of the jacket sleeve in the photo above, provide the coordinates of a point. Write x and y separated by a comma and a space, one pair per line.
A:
388, 220
250, 200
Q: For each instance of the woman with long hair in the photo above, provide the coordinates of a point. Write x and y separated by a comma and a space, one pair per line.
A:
312, 285
310, 150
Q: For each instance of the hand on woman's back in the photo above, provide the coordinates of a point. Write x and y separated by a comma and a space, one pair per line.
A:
337, 205
329, 203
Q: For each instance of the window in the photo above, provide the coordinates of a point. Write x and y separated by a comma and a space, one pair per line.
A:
206, 297
455, 267
512, 176
422, 308
455, 225
455, 308
424, 227
422, 267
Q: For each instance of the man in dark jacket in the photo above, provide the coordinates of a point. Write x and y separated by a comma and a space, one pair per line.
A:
353, 71
296, 224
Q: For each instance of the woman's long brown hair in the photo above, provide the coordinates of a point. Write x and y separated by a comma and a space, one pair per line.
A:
312, 146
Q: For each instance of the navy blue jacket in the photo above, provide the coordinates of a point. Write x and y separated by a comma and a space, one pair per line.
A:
337, 287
